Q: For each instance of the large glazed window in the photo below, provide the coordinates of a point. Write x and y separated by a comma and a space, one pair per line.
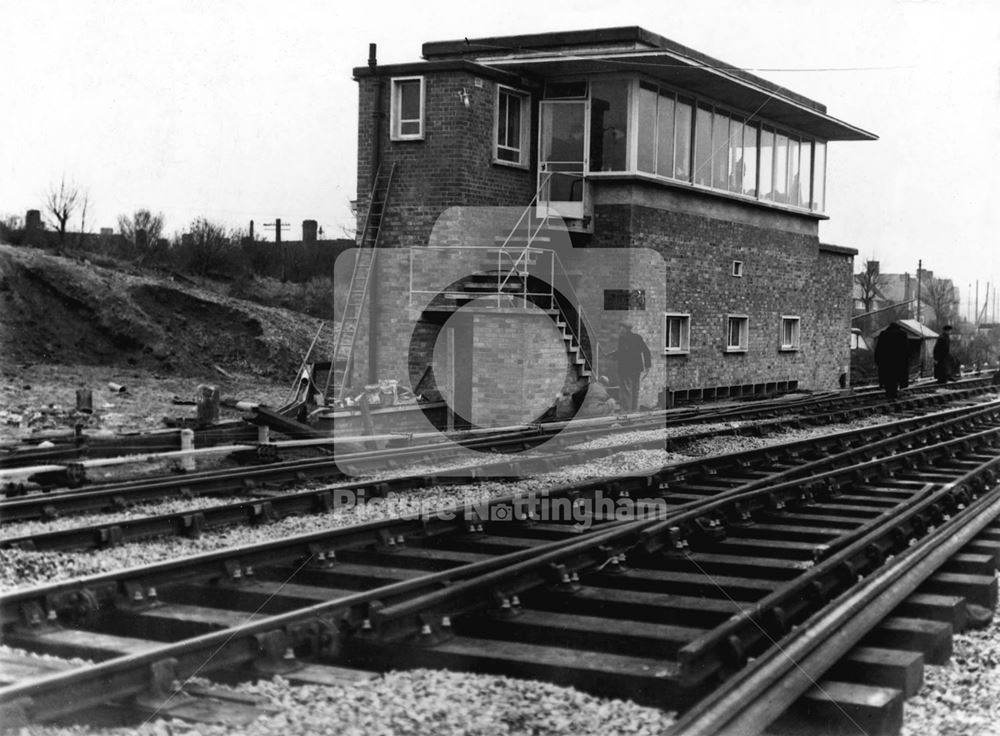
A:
609, 145
638, 126
407, 108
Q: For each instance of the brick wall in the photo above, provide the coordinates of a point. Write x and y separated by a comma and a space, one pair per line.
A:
785, 273
451, 166
519, 365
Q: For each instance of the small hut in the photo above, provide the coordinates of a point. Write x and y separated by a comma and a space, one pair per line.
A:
922, 340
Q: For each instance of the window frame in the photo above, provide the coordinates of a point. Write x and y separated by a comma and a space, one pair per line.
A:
395, 109
524, 149
685, 337
743, 346
737, 270
796, 344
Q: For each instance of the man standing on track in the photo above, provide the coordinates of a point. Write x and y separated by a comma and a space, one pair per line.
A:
892, 359
634, 360
942, 356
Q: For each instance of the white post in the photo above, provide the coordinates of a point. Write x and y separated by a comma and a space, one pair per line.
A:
187, 443
263, 434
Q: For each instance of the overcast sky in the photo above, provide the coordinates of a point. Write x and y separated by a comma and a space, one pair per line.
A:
238, 110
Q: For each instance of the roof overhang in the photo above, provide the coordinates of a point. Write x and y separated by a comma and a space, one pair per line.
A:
742, 92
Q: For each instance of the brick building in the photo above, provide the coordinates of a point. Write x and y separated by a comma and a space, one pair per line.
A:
591, 177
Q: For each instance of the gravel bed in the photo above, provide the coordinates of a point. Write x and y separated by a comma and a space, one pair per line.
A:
25, 568
416, 703
961, 698
153, 508
617, 439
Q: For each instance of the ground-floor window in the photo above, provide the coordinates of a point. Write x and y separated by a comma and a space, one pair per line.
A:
737, 330
789, 332
676, 333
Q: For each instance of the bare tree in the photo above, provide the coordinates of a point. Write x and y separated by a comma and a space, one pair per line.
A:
210, 247
142, 221
871, 283
60, 204
941, 297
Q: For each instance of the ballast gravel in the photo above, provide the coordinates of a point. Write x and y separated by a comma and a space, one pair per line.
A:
415, 703
961, 698
25, 568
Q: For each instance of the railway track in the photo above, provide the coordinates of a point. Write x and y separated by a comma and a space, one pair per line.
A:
695, 478
820, 409
651, 589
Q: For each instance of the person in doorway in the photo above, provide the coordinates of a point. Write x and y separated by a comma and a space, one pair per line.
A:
634, 361
942, 356
892, 359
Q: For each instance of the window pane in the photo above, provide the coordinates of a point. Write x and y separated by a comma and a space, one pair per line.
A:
682, 142
805, 173
647, 130
562, 131
720, 151
409, 100
514, 122
819, 178
677, 332
555, 90
502, 103
735, 183
703, 147
750, 159
734, 332
665, 136
781, 168
609, 126
794, 187
766, 164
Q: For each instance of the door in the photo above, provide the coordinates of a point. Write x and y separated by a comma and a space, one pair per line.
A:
562, 158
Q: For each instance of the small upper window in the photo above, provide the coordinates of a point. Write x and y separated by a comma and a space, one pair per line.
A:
512, 126
738, 268
789, 333
737, 331
676, 334
407, 114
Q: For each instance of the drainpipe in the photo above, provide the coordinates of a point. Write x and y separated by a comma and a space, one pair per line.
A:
376, 161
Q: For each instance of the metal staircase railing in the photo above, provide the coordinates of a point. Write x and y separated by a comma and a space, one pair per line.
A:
564, 299
346, 334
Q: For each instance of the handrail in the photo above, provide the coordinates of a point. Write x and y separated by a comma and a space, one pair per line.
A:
582, 320
590, 356
533, 202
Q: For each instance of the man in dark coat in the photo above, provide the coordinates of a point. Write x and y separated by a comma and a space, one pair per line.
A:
942, 356
634, 360
892, 359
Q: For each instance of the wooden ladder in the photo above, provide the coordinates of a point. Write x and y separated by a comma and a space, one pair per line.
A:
347, 330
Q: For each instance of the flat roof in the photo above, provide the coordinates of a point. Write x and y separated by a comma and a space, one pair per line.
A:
635, 50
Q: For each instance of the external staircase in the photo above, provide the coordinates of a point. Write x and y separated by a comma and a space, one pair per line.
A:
516, 270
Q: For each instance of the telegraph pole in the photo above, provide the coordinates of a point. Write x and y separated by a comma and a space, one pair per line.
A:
278, 227
920, 268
